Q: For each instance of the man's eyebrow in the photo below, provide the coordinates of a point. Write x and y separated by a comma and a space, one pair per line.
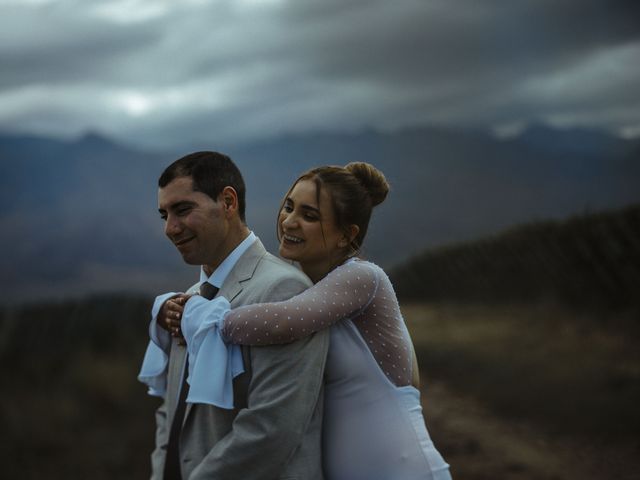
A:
174, 206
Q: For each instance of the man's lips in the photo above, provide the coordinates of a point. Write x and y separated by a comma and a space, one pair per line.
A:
182, 242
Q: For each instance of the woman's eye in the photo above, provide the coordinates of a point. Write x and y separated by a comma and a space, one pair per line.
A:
287, 208
311, 218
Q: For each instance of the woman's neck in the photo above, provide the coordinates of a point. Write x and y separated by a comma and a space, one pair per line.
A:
315, 272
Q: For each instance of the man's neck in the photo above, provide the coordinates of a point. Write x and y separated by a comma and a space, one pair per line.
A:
235, 238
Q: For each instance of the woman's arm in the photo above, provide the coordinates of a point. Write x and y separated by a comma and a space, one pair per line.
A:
415, 371
343, 293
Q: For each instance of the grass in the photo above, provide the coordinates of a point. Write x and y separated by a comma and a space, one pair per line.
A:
71, 405
72, 408
89, 420
568, 373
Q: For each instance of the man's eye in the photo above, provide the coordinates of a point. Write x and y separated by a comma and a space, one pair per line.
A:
163, 217
183, 211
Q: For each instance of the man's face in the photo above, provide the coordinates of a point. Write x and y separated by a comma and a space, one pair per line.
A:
194, 223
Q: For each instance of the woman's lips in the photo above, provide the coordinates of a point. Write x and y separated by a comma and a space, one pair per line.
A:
292, 239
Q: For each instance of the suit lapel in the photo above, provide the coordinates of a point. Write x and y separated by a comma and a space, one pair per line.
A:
242, 271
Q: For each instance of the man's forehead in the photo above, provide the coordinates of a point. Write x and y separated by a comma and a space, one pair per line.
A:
178, 183
179, 189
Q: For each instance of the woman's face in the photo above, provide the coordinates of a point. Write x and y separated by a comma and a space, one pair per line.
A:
308, 231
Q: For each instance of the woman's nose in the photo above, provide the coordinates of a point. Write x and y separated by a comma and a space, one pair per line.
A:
288, 220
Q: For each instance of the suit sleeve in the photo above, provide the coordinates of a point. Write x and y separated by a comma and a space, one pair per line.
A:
284, 392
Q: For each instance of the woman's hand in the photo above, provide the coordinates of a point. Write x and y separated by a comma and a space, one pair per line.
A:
170, 315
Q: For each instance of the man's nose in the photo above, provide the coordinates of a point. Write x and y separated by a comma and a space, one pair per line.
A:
172, 226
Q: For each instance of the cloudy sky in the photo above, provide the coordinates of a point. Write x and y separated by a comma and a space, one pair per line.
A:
166, 72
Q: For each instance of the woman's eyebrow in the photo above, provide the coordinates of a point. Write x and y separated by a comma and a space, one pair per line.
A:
304, 206
310, 207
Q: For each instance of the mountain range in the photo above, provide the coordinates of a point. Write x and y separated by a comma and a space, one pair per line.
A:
80, 216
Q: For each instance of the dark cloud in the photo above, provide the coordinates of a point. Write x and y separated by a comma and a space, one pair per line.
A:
54, 45
164, 71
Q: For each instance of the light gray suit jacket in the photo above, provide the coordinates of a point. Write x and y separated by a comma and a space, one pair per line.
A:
275, 431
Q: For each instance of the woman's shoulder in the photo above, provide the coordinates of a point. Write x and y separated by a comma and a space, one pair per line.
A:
377, 271
370, 265
359, 267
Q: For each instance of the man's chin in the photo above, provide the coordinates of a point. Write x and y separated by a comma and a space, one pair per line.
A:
190, 259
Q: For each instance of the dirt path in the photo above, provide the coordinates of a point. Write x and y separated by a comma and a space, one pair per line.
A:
480, 446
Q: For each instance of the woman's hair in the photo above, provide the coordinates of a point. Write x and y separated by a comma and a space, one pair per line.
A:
354, 190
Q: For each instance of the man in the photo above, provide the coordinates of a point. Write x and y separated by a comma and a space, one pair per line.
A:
274, 430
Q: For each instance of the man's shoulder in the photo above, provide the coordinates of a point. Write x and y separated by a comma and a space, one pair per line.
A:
279, 270
277, 279
274, 265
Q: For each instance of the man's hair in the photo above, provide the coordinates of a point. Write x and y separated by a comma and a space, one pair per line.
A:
210, 172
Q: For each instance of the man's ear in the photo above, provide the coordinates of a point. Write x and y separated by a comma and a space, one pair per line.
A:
349, 236
229, 199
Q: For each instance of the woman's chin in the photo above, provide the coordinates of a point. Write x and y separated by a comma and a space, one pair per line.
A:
286, 253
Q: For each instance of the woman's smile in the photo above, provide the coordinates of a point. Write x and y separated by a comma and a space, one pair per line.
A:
291, 239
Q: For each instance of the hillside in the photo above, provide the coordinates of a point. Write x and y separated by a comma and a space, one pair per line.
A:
585, 261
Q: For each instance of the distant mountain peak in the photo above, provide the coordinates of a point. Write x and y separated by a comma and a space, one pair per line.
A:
95, 138
546, 129
574, 139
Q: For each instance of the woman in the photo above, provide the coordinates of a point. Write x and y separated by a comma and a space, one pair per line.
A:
373, 424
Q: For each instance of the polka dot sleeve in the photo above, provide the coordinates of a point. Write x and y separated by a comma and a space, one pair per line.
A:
343, 293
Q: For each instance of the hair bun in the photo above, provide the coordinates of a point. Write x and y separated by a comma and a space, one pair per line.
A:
372, 179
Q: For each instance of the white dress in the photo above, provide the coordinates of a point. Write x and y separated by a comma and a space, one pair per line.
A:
373, 425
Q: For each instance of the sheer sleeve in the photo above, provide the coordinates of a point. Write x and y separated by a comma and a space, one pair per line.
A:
343, 293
